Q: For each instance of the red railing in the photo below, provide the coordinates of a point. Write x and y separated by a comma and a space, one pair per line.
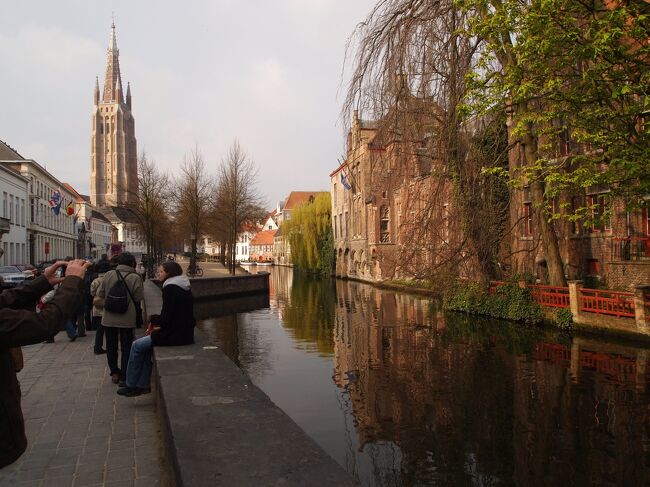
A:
494, 285
612, 303
552, 296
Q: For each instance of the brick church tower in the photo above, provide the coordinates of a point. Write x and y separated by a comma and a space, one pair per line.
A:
114, 169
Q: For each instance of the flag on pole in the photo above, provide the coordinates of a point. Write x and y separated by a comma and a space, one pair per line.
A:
55, 202
344, 181
69, 210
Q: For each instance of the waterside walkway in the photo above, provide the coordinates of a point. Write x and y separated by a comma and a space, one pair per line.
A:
80, 432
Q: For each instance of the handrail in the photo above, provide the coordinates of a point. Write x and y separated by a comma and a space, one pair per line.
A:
614, 303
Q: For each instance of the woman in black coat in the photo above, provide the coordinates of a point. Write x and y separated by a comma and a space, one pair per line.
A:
174, 326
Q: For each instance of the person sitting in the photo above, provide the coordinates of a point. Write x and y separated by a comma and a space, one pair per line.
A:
173, 327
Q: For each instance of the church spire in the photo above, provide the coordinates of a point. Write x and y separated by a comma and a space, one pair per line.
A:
128, 95
112, 69
96, 93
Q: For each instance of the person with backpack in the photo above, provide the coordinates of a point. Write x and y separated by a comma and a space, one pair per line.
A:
120, 289
174, 326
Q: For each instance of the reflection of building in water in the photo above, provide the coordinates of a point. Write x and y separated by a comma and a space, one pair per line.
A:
462, 406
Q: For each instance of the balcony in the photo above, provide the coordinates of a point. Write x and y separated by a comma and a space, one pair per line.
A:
630, 248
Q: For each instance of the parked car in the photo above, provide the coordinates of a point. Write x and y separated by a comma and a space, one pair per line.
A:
29, 270
11, 275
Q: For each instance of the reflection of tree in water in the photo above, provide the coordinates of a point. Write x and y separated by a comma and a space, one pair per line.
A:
467, 402
309, 313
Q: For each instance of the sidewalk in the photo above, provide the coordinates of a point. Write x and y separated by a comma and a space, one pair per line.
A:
80, 432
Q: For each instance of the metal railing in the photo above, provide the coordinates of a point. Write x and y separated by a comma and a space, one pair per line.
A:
611, 303
552, 296
630, 248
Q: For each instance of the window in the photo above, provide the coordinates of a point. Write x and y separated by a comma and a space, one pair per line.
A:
647, 221
334, 193
12, 217
601, 220
384, 225
5, 202
335, 232
528, 213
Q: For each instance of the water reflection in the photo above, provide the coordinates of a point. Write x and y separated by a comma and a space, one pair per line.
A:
402, 394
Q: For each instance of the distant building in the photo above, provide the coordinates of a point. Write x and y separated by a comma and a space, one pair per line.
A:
13, 218
261, 247
49, 236
114, 166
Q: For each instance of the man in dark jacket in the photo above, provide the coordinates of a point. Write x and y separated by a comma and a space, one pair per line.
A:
21, 325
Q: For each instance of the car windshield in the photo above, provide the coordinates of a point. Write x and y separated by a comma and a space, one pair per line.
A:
9, 269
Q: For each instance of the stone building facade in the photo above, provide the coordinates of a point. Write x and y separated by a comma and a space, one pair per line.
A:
113, 173
392, 211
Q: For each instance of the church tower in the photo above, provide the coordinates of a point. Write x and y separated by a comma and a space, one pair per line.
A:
114, 167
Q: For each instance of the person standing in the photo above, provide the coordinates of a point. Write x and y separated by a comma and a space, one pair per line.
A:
20, 325
98, 306
120, 325
173, 327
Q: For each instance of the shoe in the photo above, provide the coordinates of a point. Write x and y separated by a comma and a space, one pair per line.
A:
81, 336
101, 351
72, 339
115, 377
122, 384
132, 391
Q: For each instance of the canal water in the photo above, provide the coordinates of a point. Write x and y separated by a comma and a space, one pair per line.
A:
401, 393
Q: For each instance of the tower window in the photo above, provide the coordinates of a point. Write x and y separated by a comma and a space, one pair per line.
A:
384, 225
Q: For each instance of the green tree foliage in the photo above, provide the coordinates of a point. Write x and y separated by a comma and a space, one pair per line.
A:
573, 77
309, 232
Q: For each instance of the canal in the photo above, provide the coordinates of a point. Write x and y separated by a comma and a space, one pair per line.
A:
401, 393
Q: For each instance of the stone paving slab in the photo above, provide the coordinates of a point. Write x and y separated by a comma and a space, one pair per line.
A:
80, 432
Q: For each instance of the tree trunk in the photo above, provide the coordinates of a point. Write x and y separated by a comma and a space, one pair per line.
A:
550, 244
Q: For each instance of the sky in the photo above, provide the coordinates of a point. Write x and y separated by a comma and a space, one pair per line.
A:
269, 73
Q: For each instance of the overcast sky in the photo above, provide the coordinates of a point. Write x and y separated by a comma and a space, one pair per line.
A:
267, 72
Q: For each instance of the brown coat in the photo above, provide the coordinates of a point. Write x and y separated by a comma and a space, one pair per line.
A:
21, 325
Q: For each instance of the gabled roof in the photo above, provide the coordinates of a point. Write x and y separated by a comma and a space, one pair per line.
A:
265, 237
79, 197
8, 153
297, 198
98, 216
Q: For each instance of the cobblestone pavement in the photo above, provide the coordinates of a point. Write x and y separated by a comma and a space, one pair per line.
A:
80, 432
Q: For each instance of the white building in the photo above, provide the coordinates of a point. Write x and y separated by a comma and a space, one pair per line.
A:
49, 236
13, 189
101, 234
126, 230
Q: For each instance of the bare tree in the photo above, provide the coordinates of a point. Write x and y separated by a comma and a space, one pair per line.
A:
150, 208
237, 200
193, 196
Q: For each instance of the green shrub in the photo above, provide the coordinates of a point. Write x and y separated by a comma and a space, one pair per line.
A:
564, 319
508, 302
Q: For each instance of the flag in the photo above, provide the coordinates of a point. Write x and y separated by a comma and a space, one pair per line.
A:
344, 181
69, 210
55, 202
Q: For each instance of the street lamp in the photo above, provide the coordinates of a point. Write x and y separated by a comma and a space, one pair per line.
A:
193, 254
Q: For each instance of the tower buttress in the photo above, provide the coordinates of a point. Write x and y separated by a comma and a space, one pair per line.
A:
128, 95
96, 94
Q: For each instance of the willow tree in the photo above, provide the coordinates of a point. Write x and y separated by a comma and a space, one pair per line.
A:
411, 62
309, 232
563, 71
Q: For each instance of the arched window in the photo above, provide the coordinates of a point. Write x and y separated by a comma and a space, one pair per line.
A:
384, 224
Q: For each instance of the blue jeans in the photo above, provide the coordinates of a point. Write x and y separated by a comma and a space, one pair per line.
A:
138, 372
70, 329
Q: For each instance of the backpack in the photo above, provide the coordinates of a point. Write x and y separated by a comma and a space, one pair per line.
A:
117, 299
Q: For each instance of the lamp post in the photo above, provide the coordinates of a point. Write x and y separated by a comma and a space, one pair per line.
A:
192, 268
